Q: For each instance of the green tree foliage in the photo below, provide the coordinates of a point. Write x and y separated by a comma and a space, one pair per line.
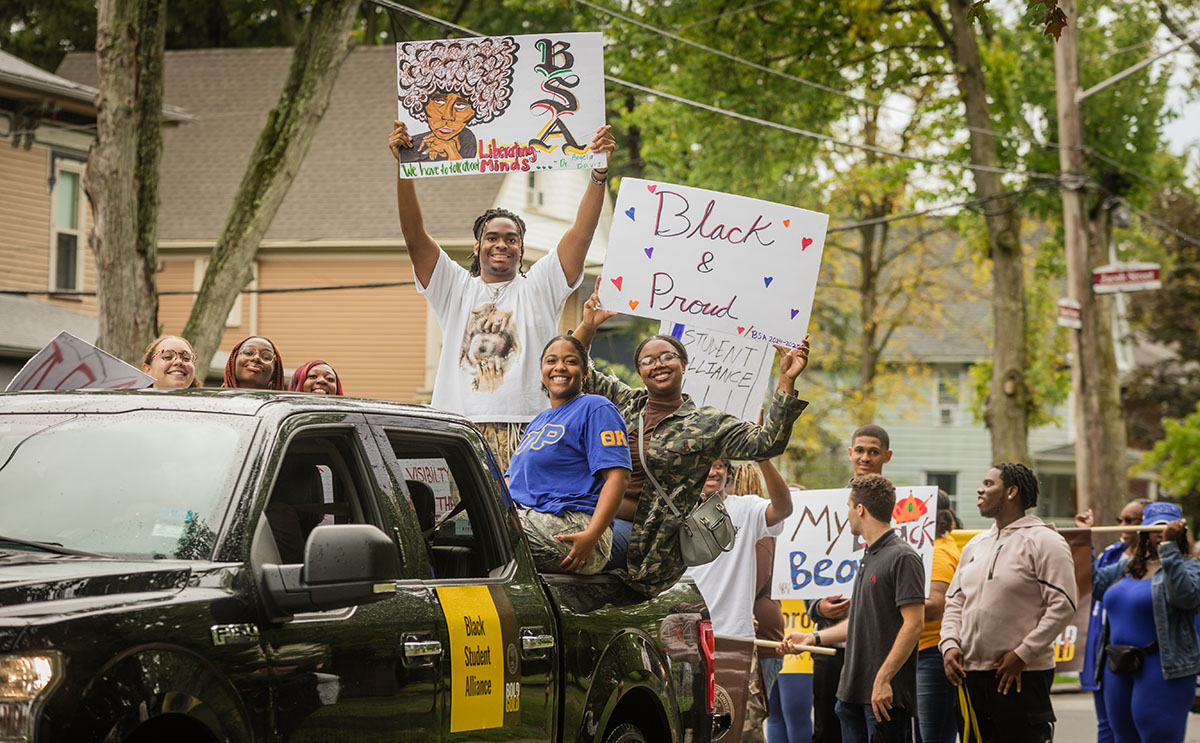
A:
1166, 323
1175, 455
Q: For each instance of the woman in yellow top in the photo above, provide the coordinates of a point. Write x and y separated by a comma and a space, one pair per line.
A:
937, 715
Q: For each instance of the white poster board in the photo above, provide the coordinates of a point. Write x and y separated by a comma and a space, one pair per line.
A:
71, 363
713, 260
435, 473
500, 104
817, 556
726, 371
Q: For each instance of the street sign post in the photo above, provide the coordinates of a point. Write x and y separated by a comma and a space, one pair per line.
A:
1126, 277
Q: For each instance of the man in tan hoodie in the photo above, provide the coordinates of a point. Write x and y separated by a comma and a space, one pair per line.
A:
1013, 593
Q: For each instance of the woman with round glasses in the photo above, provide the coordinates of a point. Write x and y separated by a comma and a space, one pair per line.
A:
681, 442
172, 362
254, 364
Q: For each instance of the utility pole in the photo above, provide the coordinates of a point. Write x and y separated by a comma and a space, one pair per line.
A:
1100, 455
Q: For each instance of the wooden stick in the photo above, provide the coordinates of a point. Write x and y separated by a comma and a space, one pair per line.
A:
814, 649
1118, 529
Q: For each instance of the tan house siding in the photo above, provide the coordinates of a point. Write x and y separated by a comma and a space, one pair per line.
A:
25, 213
373, 337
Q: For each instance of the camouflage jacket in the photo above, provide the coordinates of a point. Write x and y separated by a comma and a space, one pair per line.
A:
679, 453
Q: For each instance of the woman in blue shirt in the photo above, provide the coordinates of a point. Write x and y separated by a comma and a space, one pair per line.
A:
571, 469
1150, 645
1089, 679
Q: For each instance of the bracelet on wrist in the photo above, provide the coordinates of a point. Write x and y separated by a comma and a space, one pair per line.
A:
817, 637
599, 181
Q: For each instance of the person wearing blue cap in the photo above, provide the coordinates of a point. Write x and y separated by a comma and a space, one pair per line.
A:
1089, 679
1149, 642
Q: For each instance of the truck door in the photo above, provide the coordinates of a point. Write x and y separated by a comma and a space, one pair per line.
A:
496, 621
367, 673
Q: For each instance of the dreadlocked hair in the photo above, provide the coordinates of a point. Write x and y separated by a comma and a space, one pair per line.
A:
1136, 567
1015, 474
481, 222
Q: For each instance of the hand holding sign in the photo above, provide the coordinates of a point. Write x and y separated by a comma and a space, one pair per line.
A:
713, 260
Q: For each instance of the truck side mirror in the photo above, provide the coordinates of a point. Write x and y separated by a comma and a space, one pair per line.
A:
344, 565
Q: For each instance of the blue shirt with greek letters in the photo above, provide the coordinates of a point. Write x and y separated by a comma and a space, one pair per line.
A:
558, 465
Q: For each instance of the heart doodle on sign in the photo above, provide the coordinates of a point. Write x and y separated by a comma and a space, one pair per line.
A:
805, 243
794, 313
617, 282
787, 223
768, 279
740, 329
633, 303
649, 252
629, 213
651, 188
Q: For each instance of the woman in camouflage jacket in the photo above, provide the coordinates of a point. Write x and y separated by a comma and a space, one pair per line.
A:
682, 442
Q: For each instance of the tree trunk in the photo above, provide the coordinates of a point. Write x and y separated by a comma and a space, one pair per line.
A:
122, 172
1008, 395
281, 149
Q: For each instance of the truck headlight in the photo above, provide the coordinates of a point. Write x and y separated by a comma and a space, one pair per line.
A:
24, 683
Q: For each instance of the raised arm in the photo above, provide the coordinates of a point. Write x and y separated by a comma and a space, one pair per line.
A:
593, 317
779, 493
573, 247
423, 250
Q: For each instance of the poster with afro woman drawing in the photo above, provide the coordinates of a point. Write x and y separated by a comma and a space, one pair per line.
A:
501, 104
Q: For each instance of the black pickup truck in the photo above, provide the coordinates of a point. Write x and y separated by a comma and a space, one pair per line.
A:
199, 566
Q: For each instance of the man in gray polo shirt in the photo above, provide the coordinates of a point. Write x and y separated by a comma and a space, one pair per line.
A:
877, 695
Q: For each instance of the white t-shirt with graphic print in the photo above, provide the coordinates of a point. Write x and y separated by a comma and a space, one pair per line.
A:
492, 338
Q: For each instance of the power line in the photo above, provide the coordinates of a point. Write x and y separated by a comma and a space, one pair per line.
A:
938, 208
824, 137
804, 81
1161, 224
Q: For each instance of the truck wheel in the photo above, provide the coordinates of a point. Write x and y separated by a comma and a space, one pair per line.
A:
626, 732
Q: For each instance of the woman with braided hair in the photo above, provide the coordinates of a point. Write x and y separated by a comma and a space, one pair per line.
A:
494, 317
254, 364
1011, 596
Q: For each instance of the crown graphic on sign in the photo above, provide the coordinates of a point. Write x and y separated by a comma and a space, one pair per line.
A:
908, 509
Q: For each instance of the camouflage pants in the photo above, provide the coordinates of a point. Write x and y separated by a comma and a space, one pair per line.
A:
503, 439
548, 552
756, 706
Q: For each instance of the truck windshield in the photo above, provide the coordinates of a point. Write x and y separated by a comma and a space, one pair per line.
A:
138, 484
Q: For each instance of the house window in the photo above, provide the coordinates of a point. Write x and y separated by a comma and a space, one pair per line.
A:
947, 481
66, 235
947, 397
533, 191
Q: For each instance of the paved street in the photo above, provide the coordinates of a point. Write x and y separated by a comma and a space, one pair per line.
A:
1077, 719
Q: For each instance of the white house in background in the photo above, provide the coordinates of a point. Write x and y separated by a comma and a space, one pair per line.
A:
938, 441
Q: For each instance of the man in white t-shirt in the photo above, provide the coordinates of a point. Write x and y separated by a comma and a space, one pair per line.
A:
727, 583
495, 319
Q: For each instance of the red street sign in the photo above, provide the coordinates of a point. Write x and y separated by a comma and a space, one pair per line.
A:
1126, 277
1070, 314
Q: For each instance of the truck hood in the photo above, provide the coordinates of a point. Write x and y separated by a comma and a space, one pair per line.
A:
39, 585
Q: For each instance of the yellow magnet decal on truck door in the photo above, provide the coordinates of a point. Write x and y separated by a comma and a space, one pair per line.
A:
476, 658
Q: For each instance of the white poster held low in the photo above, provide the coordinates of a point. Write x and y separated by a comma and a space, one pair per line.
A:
500, 104
71, 363
713, 260
816, 555
725, 371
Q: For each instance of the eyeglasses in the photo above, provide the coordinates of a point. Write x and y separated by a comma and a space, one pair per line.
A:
665, 357
169, 356
266, 354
